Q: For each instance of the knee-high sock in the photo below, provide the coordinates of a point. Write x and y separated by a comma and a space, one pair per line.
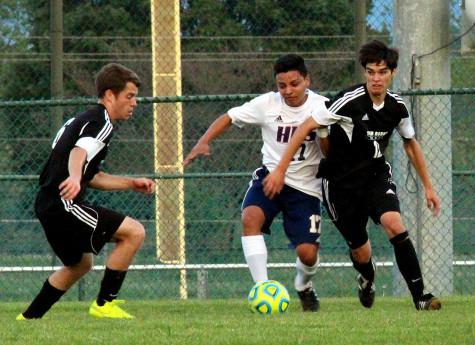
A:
304, 274
406, 259
45, 299
255, 252
367, 269
110, 285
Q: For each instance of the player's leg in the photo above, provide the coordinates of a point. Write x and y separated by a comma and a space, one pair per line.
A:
127, 240
301, 214
306, 266
55, 287
407, 261
64, 233
253, 244
257, 214
347, 210
386, 211
361, 258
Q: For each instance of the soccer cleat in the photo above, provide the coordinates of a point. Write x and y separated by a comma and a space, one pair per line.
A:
366, 292
428, 302
20, 317
309, 299
109, 310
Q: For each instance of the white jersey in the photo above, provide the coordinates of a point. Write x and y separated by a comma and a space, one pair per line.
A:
278, 122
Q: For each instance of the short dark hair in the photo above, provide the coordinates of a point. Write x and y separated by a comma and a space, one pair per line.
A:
376, 52
114, 77
290, 62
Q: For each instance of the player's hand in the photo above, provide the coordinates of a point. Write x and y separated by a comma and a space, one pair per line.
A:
273, 183
69, 188
143, 185
200, 149
433, 202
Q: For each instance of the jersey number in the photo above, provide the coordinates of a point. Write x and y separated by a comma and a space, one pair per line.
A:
60, 132
301, 156
315, 224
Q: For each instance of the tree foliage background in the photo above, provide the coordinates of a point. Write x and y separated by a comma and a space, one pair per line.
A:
228, 46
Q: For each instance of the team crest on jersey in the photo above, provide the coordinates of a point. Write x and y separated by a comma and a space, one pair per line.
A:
375, 135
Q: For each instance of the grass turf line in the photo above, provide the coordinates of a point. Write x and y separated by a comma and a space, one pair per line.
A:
339, 321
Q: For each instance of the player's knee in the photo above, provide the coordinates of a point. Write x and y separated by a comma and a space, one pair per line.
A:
84, 266
361, 255
138, 234
309, 259
135, 233
308, 254
392, 223
252, 221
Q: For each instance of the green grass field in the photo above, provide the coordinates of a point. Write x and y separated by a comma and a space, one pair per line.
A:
340, 321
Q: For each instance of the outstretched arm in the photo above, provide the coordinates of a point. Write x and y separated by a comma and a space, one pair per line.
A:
274, 181
414, 152
109, 182
202, 148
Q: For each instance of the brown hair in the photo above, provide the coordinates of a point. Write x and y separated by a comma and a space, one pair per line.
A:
114, 77
375, 52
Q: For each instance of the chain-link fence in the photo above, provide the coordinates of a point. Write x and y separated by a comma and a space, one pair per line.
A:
223, 47
212, 263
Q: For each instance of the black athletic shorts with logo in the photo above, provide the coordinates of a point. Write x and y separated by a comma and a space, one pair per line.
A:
75, 228
349, 208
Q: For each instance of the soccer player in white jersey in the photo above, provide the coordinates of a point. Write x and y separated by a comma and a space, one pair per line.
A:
75, 229
278, 114
356, 176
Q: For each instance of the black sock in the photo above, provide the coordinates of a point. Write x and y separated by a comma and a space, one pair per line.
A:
366, 269
47, 296
408, 264
110, 285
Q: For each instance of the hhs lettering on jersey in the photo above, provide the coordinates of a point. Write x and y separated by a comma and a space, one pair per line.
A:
284, 133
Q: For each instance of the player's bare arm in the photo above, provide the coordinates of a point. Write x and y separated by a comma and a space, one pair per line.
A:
202, 148
104, 181
274, 181
70, 188
414, 152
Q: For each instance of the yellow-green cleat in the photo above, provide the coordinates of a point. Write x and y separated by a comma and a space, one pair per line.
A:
20, 317
109, 310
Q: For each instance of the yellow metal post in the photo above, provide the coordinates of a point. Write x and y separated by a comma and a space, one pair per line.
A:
168, 155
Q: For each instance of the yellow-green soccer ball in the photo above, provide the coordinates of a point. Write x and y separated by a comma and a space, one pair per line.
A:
269, 297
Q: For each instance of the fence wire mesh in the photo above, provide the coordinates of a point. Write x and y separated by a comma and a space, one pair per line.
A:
227, 47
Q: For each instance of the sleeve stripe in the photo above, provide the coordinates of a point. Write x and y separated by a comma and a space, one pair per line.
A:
107, 129
346, 98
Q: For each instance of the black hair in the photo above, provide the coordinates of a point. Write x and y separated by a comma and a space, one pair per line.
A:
376, 52
290, 62
114, 77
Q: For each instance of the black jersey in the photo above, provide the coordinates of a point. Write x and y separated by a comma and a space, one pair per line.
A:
92, 131
360, 133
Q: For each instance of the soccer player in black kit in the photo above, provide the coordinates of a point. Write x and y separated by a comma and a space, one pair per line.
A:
356, 176
74, 229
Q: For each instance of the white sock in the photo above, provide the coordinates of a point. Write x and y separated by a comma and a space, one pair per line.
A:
255, 252
304, 274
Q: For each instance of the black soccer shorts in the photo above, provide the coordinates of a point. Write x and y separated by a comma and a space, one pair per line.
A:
73, 229
349, 208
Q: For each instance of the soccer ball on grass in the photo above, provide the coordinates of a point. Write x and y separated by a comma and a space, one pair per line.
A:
269, 297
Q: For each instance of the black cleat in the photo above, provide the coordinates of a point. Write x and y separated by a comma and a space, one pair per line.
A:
428, 302
309, 299
366, 292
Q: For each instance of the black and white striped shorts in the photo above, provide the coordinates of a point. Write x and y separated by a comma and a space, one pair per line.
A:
75, 228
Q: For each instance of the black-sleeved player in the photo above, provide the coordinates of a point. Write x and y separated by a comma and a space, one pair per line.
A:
74, 229
357, 180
